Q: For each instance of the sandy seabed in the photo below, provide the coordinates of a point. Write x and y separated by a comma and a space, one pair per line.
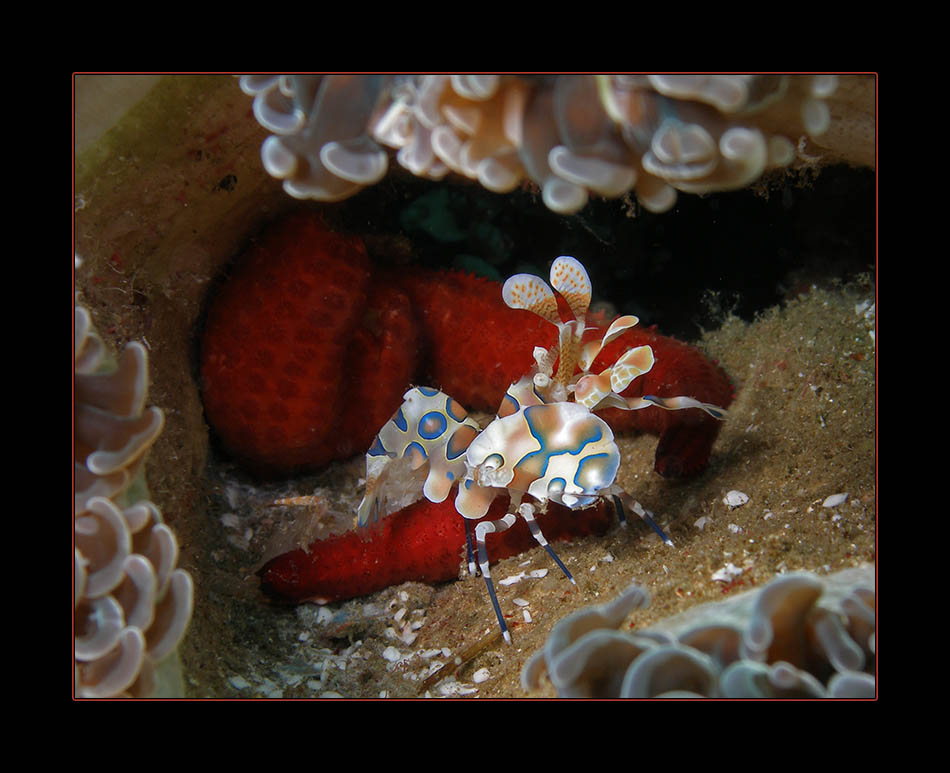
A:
802, 428
156, 223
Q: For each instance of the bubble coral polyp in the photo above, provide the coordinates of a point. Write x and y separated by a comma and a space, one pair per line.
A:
572, 135
132, 605
800, 636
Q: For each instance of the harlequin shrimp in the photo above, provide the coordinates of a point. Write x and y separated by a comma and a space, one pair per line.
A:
545, 443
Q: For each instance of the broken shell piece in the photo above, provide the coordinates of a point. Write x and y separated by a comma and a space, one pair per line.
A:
735, 499
834, 500
726, 574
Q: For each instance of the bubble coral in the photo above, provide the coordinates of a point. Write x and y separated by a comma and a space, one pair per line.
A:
572, 135
131, 604
798, 637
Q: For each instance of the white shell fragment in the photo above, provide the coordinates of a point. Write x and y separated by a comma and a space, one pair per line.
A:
834, 500
727, 573
735, 499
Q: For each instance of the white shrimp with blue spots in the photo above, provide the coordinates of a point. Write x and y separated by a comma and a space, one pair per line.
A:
545, 443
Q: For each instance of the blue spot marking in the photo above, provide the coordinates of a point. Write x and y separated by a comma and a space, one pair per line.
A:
432, 425
400, 421
454, 448
610, 471
595, 435
377, 449
515, 405
456, 411
428, 391
414, 446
